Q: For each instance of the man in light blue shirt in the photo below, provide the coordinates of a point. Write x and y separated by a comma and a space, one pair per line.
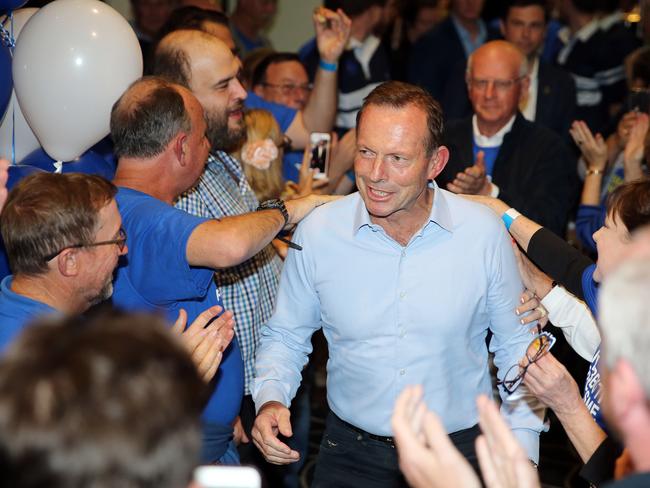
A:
405, 279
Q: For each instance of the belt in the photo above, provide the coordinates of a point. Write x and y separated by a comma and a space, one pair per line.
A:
385, 439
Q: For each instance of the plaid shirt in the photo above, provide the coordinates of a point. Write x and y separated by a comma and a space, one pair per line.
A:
248, 289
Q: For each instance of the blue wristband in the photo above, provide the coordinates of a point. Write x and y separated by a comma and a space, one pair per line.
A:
327, 66
509, 217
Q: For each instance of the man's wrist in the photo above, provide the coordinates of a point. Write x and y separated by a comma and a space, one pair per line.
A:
327, 65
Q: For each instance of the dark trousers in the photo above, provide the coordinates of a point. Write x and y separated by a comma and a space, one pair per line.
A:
349, 458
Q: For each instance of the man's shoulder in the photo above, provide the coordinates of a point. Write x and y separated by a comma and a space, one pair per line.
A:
469, 215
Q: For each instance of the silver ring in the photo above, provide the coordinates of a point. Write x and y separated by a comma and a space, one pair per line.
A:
542, 311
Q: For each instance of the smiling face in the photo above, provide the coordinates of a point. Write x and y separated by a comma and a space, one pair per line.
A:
96, 284
494, 85
612, 242
214, 83
391, 164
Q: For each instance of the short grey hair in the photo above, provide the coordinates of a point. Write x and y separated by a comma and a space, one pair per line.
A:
624, 316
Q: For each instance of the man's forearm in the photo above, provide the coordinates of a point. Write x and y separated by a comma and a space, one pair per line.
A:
232, 240
320, 112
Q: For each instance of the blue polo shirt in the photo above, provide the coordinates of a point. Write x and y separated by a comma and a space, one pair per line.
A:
155, 276
16, 312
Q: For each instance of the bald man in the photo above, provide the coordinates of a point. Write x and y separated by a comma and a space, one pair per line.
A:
498, 152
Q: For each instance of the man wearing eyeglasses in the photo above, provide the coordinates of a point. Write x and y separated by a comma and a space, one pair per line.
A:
63, 238
498, 152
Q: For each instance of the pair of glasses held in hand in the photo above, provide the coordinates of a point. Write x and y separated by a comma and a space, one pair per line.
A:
540, 345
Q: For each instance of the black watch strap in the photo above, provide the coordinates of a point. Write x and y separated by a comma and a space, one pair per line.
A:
276, 204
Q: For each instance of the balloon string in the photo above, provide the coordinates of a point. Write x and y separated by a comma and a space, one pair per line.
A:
6, 36
13, 106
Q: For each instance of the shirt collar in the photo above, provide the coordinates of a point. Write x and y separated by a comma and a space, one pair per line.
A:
493, 141
439, 215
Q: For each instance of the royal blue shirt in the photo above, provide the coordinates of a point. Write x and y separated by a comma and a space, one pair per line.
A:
399, 315
155, 276
16, 312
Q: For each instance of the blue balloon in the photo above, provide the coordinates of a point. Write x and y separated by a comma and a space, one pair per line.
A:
6, 81
9, 5
16, 173
89, 162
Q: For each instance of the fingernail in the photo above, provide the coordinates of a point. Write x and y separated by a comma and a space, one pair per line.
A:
521, 300
517, 311
521, 321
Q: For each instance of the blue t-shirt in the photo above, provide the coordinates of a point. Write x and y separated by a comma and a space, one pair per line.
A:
283, 115
155, 276
17, 311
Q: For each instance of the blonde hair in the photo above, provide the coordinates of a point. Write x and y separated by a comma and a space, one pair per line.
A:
266, 183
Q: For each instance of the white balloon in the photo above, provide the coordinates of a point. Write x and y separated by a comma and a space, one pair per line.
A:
73, 60
14, 127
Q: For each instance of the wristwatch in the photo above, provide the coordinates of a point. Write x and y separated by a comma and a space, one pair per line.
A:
276, 204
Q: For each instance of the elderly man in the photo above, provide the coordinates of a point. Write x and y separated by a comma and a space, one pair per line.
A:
160, 139
551, 97
498, 152
377, 274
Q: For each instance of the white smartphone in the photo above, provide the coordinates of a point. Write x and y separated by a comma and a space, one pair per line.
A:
227, 477
320, 144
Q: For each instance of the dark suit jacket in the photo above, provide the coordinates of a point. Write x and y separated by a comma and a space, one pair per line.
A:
534, 170
433, 56
556, 98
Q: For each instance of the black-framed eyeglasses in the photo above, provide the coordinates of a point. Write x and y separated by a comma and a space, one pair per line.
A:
540, 345
288, 88
120, 242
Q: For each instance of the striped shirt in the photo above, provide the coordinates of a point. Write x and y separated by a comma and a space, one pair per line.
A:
248, 289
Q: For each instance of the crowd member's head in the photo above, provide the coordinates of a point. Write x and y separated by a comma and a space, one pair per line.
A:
420, 16
638, 75
399, 130
151, 15
282, 78
110, 401
212, 22
624, 319
467, 11
259, 13
62, 232
628, 209
496, 81
158, 124
261, 155
524, 25
204, 64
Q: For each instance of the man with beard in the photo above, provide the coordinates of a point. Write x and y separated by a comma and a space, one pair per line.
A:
206, 66
63, 237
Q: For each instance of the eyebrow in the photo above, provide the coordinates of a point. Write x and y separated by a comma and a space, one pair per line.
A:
225, 81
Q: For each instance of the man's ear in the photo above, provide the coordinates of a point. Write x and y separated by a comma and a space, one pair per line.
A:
179, 144
68, 262
438, 161
626, 394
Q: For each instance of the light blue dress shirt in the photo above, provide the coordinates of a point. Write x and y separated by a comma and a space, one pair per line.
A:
395, 316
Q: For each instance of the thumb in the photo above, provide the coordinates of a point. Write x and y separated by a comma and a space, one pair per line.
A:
480, 160
284, 424
181, 322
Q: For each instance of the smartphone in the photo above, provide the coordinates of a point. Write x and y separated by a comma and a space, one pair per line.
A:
320, 144
227, 477
638, 100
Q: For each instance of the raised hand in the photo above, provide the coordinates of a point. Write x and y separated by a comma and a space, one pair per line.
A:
531, 310
472, 181
427, 457
593, 148
332, 33
206, 344
635, 147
